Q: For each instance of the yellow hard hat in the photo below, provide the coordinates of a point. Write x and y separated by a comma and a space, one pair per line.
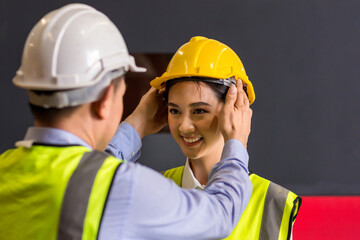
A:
203, 57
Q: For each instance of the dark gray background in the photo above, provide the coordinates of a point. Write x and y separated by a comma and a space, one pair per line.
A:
302, 57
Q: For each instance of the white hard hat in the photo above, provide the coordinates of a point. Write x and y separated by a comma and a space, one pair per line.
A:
73, 47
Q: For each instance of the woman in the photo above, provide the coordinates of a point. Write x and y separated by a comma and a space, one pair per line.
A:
196, 81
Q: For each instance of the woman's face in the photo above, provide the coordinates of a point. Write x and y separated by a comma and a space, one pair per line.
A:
193, 111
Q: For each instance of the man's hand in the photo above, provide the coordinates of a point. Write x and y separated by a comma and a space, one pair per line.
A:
235, 117
150, 116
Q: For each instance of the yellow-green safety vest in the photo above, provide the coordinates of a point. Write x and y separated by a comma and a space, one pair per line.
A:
53, 192
270, 214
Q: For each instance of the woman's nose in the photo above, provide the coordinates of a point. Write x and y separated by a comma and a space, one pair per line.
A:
186, 125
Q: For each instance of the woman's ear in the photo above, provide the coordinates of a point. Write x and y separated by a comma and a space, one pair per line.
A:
102, 107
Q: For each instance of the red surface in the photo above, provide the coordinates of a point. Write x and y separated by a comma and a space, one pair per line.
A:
328, 217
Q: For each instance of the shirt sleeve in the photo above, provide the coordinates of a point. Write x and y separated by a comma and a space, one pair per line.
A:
126, 143
146, 205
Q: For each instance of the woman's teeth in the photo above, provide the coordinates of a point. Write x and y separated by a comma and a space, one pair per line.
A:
191, 140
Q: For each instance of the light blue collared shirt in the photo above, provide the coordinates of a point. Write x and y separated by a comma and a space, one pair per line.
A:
142, 204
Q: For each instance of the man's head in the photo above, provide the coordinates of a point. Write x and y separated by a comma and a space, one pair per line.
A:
74, 59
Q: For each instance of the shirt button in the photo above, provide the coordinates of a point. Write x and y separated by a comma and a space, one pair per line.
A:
132, 154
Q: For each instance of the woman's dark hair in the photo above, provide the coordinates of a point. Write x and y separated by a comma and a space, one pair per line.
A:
218, 89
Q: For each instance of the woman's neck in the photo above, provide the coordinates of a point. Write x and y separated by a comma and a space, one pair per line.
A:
201, 167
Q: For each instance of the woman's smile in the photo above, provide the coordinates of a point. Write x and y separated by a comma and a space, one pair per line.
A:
191, 141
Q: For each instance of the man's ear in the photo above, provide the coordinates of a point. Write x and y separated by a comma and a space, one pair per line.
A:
102, 107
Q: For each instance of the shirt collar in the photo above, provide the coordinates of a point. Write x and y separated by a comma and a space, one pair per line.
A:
188, 179
53, 136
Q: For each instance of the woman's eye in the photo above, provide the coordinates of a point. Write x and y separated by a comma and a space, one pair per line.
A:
199, 111
173, 111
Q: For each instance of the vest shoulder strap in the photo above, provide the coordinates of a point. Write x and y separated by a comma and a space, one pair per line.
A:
77, 194
280, 210
175, 174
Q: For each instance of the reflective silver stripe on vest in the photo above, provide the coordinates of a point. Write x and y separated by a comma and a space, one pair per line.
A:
77, 195
274, 205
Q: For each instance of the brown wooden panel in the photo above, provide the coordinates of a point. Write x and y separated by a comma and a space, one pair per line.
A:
139, 83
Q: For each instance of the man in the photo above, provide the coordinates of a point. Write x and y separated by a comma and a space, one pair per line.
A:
59, 184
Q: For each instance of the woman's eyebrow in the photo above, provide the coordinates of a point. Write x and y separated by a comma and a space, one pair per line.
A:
195, 104
170, 104
199, 104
